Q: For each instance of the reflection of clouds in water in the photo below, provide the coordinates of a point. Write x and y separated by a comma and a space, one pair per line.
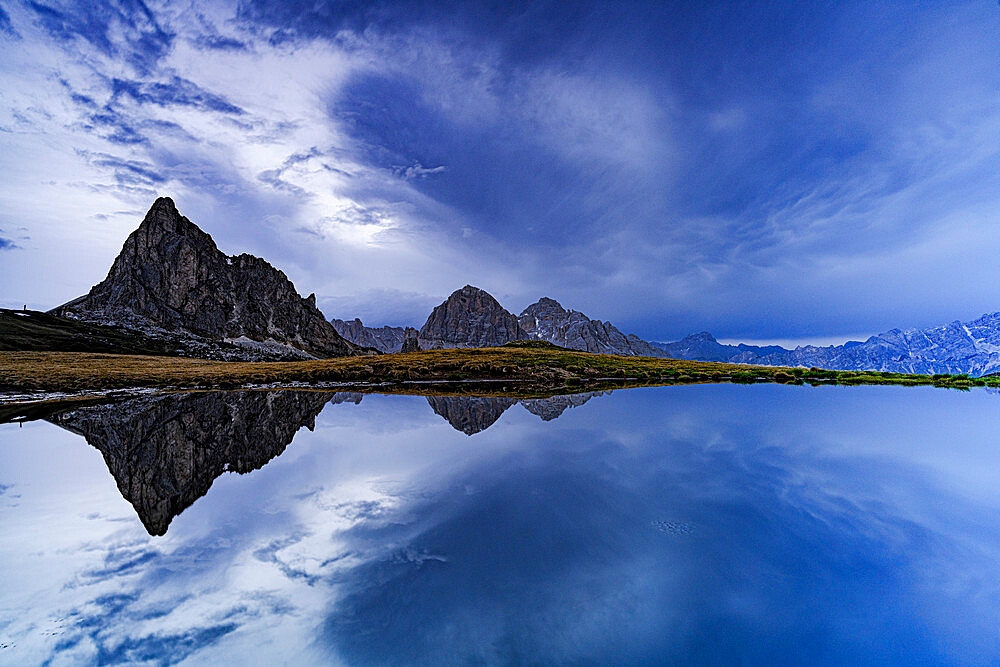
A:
555, 560
652, 525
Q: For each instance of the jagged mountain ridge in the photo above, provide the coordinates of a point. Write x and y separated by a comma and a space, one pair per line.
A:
547, 320
170, 276
971, 347
471, 317
383, 339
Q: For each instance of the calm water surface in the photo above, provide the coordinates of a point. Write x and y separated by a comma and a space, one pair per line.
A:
713, 524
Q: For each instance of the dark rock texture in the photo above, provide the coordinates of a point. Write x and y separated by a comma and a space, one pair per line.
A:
383, 339
470, 415
469, 317
166, 451
547, 320
411, 344
970, 347
170, 275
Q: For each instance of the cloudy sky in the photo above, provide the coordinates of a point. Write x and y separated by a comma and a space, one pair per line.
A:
796, 171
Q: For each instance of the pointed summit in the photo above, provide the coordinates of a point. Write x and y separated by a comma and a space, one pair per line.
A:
470, 317
163, 204
170, 275
162, 222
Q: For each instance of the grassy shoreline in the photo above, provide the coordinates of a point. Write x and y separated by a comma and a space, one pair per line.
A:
539, 368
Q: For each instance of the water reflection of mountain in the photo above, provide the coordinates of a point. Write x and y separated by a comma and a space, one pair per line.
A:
166, 451
551, 408
472, 414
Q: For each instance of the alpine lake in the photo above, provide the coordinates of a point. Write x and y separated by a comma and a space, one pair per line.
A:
704, 524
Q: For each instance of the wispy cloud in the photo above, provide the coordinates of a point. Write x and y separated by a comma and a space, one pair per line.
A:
417, 170
174, 92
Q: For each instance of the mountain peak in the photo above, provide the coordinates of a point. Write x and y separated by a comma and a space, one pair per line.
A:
471, 290
544, 307
171, 275
546, 319
163, 203
469, 317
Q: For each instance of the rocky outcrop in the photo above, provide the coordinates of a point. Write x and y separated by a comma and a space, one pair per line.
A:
170, 276
547, 320
470, 415
411, 344
384, 339
970, 347
469, 317
166, 451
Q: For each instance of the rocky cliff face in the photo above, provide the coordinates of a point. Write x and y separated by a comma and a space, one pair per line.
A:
171, 276
383, 339
469, 317
547, 320
970, 347
166, 451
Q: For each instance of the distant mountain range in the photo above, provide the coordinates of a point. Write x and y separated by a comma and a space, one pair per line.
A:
177, 293
471, 317
970, 347
383, 339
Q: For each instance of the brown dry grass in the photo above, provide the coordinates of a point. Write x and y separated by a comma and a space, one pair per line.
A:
81, 371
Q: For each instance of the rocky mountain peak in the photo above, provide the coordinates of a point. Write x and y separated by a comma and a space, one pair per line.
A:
170, 275
470, 317
544, 307
546, 319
